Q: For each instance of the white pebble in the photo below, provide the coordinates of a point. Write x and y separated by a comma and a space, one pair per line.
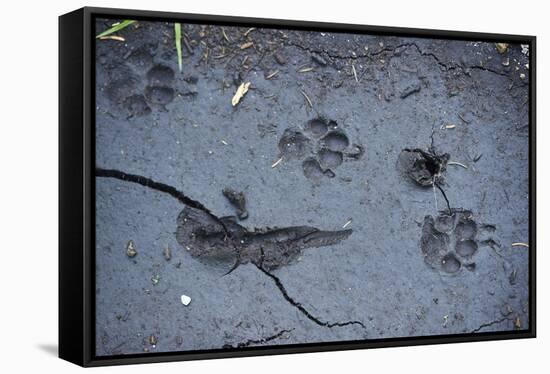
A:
185, 300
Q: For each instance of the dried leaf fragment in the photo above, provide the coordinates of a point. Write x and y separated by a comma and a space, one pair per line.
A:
241, 91
113, 37
131, 249
246, 45
501, 47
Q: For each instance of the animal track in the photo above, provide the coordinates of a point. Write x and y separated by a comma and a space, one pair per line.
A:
226, 244
449, 241
136, 95
322, 146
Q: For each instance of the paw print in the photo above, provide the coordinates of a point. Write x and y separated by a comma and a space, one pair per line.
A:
137, 96
450, 242
322, 147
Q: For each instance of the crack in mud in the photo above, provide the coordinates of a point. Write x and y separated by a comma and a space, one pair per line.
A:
250, 342
488, 324
301, 308
369, 55
170, 190
150, 183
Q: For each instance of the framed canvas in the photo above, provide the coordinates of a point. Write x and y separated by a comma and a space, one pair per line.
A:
235, 186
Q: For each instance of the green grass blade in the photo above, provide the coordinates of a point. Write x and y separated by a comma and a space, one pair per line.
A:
117, 27
177, 31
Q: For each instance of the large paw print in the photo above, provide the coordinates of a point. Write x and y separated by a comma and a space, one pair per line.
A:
449, 242
322, 147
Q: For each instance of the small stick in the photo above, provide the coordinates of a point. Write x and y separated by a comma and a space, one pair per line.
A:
113, 37
277, 162
305, 70
519, 244
457, 163
225, 35
249, 31
346, 224
272, 74
307, 98
354, 73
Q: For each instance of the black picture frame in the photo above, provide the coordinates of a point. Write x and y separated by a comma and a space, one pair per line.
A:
77, 191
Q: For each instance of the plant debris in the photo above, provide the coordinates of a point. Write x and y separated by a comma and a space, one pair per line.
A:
277, 162
272, 74
457, 164
354, 73
501, 47
241, 91
177, 32
116, 27
519, 244
307, 99
131, 249
246, 45
113, 37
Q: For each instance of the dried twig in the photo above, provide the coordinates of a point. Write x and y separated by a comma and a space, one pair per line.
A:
457, 163
354, 73
307, 99
277, 162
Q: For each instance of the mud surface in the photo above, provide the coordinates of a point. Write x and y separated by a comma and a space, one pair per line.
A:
364, 187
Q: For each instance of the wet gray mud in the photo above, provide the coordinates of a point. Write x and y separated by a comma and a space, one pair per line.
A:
365, 187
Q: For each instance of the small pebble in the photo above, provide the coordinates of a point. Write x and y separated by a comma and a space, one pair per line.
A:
185, 300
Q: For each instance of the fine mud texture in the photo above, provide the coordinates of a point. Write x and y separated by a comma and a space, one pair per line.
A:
364, 187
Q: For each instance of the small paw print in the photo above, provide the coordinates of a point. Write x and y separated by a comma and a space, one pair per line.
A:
322, 146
